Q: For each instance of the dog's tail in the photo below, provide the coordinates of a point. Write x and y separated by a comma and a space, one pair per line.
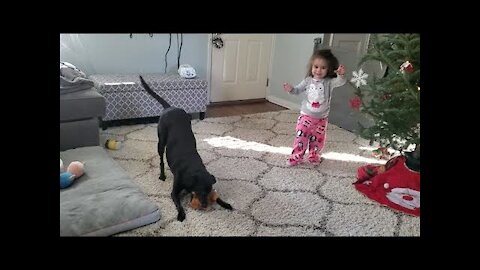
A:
153, 94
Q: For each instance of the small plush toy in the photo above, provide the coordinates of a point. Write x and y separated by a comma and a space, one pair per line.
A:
76, 168
195, 202
212, 198
66, 179
112, 144
74, 171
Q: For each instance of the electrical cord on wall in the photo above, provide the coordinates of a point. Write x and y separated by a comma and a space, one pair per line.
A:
166, 54
179, 49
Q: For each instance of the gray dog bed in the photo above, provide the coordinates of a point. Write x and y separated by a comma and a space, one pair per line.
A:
104, 201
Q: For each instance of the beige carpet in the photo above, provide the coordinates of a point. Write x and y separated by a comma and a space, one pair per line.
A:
247, 155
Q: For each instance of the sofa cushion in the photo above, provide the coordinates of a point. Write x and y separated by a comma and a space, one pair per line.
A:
79, 134
81, 105
103, 201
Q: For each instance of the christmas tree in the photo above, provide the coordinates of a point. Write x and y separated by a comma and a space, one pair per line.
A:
391, 102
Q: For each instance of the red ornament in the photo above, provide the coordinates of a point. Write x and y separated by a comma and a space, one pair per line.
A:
355, 102
406, 67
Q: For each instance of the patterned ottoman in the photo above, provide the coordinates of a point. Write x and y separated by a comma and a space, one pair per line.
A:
126, 98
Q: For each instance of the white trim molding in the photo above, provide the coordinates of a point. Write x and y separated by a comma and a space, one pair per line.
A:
270, 66
285, 103
209, 66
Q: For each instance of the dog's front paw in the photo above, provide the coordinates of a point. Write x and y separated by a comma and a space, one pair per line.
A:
224, 204
228, 206
181, 216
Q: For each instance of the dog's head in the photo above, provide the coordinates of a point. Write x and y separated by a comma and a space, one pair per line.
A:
201, 183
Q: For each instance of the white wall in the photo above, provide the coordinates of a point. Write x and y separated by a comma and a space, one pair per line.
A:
118, 53
289, 64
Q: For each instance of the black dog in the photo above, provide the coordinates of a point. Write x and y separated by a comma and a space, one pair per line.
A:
175, 132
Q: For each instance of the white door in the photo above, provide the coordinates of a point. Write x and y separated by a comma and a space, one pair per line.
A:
349, 49
240, 68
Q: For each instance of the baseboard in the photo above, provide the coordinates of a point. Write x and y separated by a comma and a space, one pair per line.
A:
285, 103
236, 102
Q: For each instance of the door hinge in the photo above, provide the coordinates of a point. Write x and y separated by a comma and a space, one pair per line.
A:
267, 82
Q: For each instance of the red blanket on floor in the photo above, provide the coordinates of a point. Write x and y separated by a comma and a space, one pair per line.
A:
392, 184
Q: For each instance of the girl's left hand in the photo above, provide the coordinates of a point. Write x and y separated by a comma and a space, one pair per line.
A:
341, 70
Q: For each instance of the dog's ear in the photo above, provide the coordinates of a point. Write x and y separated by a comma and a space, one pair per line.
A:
212, 179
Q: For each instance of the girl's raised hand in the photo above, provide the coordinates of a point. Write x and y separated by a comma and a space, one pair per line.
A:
340, 70
287, 87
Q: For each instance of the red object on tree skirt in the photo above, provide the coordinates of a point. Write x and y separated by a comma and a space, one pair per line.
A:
392, 184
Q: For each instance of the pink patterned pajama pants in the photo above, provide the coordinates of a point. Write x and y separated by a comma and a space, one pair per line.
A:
310, 134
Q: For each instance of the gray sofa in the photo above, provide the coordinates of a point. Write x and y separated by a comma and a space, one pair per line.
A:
79, 118
105, 200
